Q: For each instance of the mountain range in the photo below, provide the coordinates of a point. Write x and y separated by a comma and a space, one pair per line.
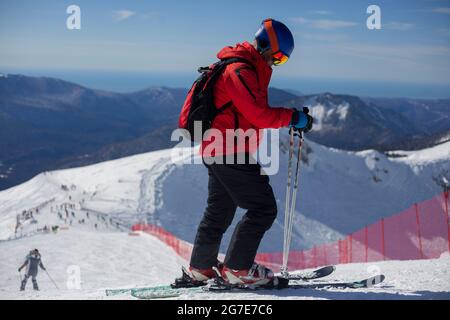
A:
48, 123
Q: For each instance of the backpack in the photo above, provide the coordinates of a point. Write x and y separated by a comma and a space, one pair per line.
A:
199, 105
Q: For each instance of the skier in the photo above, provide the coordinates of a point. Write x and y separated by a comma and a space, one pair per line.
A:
32, 261
245, 85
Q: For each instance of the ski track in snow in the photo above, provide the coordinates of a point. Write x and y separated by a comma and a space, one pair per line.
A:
149, 195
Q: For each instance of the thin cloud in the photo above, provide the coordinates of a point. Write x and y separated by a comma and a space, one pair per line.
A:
445, 10
299, 20
325, 37
324, 24
400, 26
321, 12
121, 15
332, 24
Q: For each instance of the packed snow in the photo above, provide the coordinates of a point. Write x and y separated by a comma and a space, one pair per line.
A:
93, 207
98, 259
105, 260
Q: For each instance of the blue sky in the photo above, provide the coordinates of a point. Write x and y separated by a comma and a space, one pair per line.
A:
332, 41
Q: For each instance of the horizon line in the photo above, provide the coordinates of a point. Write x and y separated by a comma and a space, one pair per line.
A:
293, 91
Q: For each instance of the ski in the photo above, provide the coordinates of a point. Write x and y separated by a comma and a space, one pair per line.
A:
315, 274
122, 291
163, 292
218, 286
366, 283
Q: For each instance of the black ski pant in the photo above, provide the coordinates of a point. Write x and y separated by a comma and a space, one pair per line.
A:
231, 186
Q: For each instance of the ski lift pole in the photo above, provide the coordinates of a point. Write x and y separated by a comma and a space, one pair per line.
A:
290, 201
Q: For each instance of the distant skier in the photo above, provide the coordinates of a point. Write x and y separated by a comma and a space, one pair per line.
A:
241, 93
32, 262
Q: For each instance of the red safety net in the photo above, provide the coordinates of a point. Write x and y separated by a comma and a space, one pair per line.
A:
182, 248
434, 226
420, 232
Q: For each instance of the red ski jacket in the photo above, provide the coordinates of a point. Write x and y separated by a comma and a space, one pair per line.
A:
246, 86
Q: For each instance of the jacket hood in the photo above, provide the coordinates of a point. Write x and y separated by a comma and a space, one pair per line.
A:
245, 51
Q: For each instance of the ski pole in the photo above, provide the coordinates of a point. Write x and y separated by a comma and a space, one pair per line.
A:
294, 194
51, 279
287, 203
290, 202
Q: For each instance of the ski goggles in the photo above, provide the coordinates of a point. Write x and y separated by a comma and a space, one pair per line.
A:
278, 56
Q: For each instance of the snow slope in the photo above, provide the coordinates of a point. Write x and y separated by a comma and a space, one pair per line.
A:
420, 279
105, 259
116, 260
340, 192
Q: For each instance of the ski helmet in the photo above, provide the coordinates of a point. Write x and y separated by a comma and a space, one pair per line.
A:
276, 36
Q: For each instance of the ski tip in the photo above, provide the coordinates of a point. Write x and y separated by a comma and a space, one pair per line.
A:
331, 268
372, 281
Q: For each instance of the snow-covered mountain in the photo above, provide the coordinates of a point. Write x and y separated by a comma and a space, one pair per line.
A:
432, 115
340, 191
338, 117
48, 124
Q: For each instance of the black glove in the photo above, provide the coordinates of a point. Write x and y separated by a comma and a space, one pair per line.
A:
301, 120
